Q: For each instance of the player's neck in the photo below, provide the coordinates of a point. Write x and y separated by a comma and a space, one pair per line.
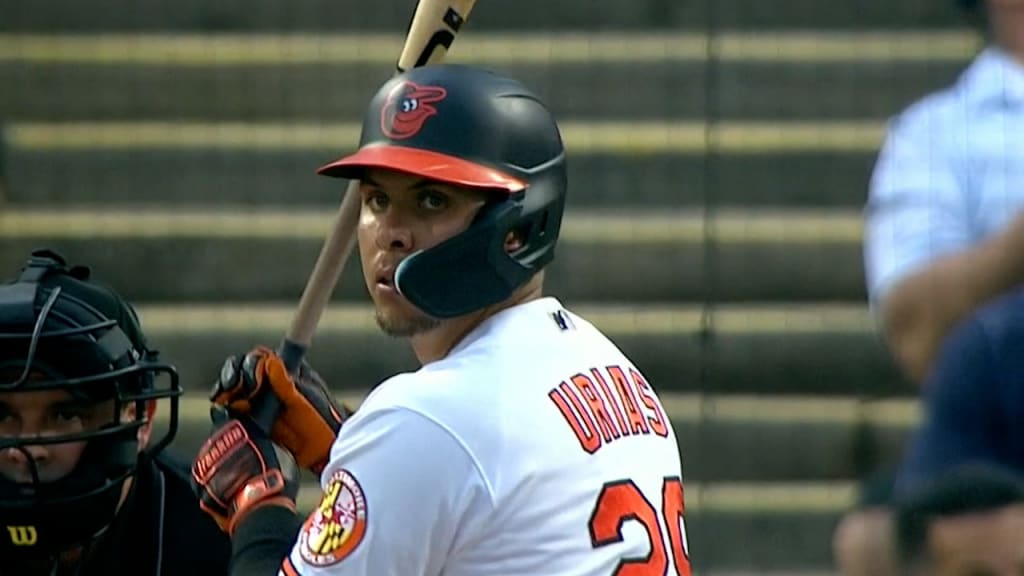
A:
436, 344
1008, 29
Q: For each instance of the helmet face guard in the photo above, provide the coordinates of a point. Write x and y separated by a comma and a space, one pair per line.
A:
472, 270
58, 332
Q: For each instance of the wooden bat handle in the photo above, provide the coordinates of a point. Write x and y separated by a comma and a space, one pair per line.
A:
317, 295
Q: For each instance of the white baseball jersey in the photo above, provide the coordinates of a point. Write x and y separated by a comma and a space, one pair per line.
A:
534, 447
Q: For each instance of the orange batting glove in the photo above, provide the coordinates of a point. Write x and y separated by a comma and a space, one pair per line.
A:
309, 418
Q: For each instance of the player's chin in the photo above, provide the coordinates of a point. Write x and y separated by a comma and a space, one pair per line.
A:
404, 321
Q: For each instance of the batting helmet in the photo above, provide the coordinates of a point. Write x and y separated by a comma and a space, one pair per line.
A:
473, 128
59, 331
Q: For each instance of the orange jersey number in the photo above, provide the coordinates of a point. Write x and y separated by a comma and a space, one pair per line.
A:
620, 501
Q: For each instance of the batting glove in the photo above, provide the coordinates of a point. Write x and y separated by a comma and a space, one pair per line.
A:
239, 469
308, 420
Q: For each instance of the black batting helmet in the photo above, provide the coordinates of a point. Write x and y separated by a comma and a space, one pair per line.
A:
60, 331
474, 128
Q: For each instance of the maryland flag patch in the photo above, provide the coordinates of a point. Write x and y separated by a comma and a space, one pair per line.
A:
337, 525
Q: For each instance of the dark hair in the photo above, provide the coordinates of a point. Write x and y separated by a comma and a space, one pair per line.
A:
976, 16
969, 489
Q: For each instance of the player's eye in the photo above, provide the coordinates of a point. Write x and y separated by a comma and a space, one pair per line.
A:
433, 200
375, 200
8, 420
66, 417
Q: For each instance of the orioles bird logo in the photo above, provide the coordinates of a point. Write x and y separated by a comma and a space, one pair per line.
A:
408, 106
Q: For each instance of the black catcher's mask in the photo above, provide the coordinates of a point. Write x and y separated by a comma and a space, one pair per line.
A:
59, 331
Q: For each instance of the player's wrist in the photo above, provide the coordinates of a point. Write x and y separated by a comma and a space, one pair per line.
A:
243, 508
267, 486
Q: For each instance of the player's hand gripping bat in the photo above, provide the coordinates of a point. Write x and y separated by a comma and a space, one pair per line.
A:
431, 32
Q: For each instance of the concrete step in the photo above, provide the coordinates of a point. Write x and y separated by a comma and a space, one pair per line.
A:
43, 175
729, 438
741, 349
393, 15
668, 256
643, 75
734, 541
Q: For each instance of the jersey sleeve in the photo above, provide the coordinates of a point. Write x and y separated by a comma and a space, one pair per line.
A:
916, 210
961, 402
395, 494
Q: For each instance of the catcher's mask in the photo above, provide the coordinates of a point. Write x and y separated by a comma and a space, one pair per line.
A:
58, 331
473, 128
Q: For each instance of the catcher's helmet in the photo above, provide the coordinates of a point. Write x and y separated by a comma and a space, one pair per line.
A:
473, 128
59, 331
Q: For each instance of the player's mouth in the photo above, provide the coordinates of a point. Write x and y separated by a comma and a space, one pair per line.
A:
386, 280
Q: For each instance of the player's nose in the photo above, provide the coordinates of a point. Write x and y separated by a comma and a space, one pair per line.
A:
18, 461
25, 453
394, 232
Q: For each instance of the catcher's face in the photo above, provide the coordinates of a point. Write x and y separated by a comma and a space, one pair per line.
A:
401, 214
43, 413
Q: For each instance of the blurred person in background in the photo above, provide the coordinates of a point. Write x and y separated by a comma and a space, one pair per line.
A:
973, 413
974, 399
944, 234
862, 544
944, 226
970, 522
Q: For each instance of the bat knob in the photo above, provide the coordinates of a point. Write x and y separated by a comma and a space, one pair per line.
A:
231, 382
291, 353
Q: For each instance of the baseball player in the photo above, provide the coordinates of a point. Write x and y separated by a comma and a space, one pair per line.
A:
526, 444
84, 486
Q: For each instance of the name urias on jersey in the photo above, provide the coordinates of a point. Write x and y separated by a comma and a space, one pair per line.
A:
607, 404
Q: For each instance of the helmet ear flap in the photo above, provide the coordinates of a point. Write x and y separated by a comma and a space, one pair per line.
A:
468, 271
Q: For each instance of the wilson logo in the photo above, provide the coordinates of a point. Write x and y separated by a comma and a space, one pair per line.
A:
23, 535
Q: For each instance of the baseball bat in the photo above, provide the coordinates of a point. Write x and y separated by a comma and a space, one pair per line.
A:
431, 32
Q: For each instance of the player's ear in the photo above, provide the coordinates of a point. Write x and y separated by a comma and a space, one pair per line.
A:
513, 242
146, 430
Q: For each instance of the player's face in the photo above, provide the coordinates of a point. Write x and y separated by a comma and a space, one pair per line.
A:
1004, 16
401, 214
43, 413
989, 544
